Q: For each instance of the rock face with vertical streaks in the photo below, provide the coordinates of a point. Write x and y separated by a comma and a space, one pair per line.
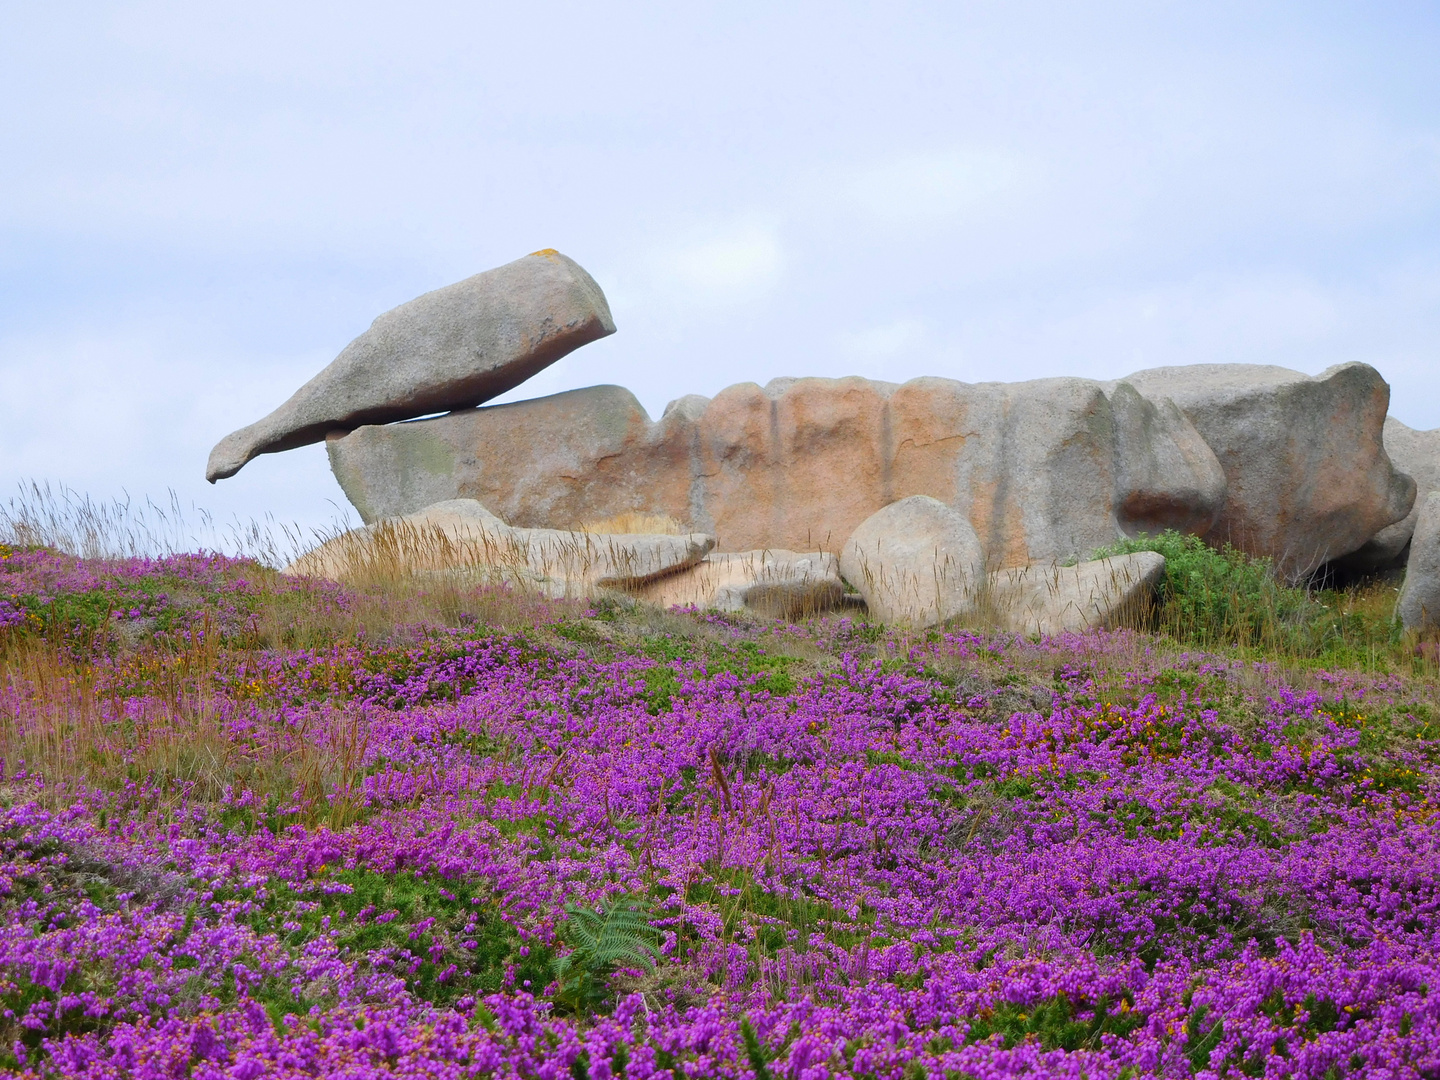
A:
1044, 471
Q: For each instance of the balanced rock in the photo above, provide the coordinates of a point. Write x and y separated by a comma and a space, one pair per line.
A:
462, 535
449, 349
1417, 454
1044, 471
775, 583
916, 562
1308, 478
1101, 593
1419, 606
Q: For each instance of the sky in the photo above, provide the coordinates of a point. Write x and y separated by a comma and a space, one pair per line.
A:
201, 204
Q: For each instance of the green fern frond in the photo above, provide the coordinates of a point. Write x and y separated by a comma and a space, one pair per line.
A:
619, 935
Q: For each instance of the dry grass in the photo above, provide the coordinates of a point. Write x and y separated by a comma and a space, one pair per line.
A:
403, 605
632, 522
483, 551
70, 723
42, 514
71, 720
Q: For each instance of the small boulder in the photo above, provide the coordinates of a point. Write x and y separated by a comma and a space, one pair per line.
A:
449, 349
774, 583
461, 535
1308, 478
1419, 606
916, 562
1101, 593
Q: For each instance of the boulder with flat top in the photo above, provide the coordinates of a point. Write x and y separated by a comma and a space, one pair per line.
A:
775, 583
1100, 593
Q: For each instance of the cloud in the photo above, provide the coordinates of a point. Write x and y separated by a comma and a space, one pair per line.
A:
669, 282
735, 265
933, 188
885, 341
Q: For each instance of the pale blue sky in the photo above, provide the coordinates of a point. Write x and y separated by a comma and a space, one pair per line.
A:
200, 204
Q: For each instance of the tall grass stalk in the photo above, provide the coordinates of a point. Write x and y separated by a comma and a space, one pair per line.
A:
45, 514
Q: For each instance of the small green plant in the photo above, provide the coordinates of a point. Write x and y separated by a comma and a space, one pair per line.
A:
1056, 1023
760, 1056
618, 935
1202, 1037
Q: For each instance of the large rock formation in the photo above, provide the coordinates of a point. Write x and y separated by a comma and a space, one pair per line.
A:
1308, 476
916, 562
1044, 470
449, 349
1417, 454
1419, 605
462, 535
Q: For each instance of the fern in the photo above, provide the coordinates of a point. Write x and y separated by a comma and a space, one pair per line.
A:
618, 935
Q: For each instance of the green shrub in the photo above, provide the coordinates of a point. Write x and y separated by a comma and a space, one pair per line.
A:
1212, 596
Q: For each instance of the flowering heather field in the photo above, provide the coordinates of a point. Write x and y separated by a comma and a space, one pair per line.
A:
252, 828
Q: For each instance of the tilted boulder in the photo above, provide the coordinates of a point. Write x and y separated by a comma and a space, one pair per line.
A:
775, 583
1417, 454
1419, 605
916, 562
1308, 478
1044, 471
462, 535
449, 349
1101, 593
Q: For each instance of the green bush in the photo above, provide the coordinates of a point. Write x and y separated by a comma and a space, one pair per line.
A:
1212, 596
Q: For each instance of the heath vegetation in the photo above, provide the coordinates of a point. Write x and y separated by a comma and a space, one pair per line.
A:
253, 825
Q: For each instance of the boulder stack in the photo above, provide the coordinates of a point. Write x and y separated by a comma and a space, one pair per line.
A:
942, 499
